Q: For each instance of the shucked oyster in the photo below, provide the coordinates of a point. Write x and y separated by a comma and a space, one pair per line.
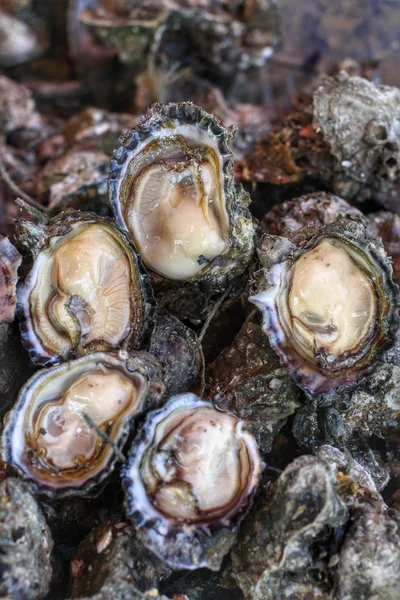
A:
53, 434
85, 291
172, 190
190, 477
329, 303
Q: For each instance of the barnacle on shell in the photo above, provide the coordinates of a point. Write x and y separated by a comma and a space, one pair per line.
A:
329, 303
190, 477
53, 435
85, 292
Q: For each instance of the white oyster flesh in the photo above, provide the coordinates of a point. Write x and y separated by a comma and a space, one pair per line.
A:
66, 440
178, 217
83, 291
199, 467
332, 300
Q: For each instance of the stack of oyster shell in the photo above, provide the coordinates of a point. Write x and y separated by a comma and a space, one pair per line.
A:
212, 399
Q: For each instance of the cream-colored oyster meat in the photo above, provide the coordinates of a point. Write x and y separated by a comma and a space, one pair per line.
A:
332, 300
199, 465
64, 438
177, 214
83, 291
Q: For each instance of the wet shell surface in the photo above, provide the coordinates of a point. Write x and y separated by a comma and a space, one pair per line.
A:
329, 303
86, 292
190, 477
172, 190
53, 436
10, 260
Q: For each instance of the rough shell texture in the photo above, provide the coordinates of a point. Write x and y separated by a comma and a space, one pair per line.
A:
157, 122
203, 584
277, 255
360, 120
20, 447
112, 558
386, 225
370, 557
40, 239
17, 107
78, 179
248, 379
10, 260
178, 350
25, 543
278, 542
320, 208
186, 544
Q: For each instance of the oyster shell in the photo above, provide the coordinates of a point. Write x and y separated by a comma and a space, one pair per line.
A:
191, 474
329, 303
17, 107
25, 543
112, 559
85, 292
54, 435
171, 188
277, 550
10, 260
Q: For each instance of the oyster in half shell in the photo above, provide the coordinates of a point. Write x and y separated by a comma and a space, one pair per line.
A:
86, 291
54, 434
172, 190
190, 477
328, 301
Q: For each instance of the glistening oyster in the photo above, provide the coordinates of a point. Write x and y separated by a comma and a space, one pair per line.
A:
54, 434
86, 291
190, 477
172, 190
329, 303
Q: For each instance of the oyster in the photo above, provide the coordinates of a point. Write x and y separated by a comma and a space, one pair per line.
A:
111, 559
17, 107
25, 544
171, 188
282, 545
85, 291
191, 474
248, 379
329, 303
55, 434
10, 260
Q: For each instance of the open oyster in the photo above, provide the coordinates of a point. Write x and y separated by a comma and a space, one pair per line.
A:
85, 291
191, 474
329, 303
53, 436
172, 190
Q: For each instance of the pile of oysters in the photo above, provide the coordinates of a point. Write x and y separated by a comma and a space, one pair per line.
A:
200, 367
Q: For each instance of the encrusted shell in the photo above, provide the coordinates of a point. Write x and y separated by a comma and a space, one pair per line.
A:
62, 408
10, 260
196, 541
162, 130
46, 343
324, 372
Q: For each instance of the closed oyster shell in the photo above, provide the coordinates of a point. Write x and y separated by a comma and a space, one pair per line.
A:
10, 261
278, 544
70, 423
25, 543
207, 232
86, 291
191, 475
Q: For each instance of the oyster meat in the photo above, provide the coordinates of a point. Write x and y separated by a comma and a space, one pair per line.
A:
329, 303
172, 189
191, 474
55, 435
85, 291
